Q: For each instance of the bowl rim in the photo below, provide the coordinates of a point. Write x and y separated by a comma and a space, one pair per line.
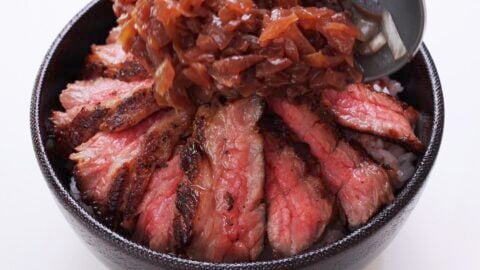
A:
401, 201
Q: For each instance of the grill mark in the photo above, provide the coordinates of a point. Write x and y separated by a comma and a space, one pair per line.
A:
85, 124
115, 196
127, 113
130, 181
131, 70
186, 204
314, 106
93, 70
128, 71
271, 124
190, 157
131, 111
157, 148
146, 164
313, 101
200, 130
187, 197
229, 201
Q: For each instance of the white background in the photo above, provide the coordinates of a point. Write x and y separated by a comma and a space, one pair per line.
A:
443, 232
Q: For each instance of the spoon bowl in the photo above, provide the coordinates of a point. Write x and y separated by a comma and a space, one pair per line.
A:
409, 18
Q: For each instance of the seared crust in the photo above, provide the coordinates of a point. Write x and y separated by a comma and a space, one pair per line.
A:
157, 148
187, 196
114, 198
85, 124
191, 155
109, 116
130, 111
125, 178
131, 70
274, 126
186, 203
125, 67
220, 211
128, 71
361, 185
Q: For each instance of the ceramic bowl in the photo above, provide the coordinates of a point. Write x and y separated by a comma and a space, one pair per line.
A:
62, 64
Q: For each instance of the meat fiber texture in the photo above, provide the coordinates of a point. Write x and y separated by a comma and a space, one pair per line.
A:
222, 217
101, 104
299, 208
361, 108
157, 211
362, 186
113, 170
99, 161
111, 61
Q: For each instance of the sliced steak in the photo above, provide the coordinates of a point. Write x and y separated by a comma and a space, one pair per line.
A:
101, 104
101, 160
113, 169
157, 210
77, 125
198, 174
221, 214
111, 61
299, 207
156, 149
361, 108
361, 185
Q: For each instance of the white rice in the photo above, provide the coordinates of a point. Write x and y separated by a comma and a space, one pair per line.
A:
387, 86
77, 196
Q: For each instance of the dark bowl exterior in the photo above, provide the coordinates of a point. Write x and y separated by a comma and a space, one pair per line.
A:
62, 65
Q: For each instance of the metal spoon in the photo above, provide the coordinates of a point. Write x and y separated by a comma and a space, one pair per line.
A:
409, 18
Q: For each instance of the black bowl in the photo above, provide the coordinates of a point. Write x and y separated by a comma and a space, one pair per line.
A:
62, 65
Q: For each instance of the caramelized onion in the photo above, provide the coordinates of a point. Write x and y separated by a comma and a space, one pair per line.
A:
198, 74
276, 25
393, 37
368, 29
320, 60
164, 77
203, 49
374, 45
127, 33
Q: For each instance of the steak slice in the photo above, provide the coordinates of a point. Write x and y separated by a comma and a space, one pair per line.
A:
156, 212
361, 108
101, 160
113, 169
156, 149
299, 207
111, 61
221, 216
101, 104
361, 185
